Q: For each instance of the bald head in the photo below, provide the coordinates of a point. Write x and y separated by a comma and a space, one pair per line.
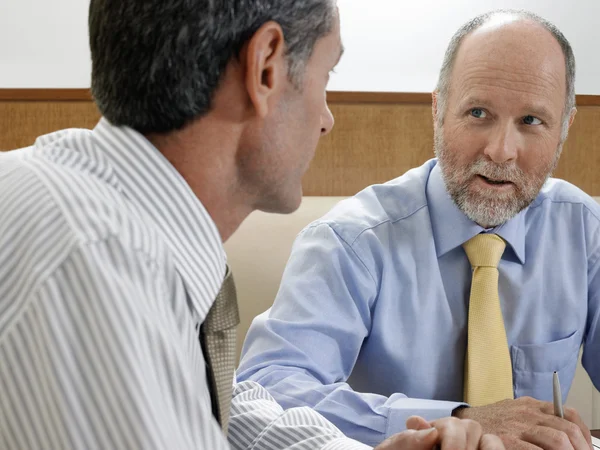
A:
514, 41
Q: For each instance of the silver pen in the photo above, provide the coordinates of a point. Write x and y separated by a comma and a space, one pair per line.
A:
557, 395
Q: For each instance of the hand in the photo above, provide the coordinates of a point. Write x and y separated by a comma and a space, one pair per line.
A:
526, 423
447, 434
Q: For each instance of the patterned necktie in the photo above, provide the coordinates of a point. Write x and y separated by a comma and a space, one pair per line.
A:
217, 336
488, 369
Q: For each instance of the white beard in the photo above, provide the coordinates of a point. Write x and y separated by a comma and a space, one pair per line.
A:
488, 208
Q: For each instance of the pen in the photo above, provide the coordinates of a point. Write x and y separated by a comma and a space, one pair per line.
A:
558, 406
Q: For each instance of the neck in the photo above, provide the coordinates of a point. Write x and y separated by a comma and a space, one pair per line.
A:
204, 153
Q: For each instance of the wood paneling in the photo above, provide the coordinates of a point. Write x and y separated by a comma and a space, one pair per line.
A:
22, 121
580, 160
370, 143
380, 97
373, 141
332, 96
46, 95
588, 100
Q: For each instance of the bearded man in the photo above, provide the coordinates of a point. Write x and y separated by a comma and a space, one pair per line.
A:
461, 286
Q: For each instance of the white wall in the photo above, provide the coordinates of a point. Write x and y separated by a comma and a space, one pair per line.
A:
398, 45
44, 44
391, 45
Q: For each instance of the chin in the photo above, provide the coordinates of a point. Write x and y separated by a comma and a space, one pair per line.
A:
282, 204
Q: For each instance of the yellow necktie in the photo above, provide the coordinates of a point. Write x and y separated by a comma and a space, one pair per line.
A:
488, 369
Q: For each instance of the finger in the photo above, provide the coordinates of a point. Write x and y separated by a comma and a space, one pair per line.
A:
453, 432
549, 438
514, 443
572, 430
453, 437
491, 442
474, 432
546, 407
573, 416
417, 423
411, 440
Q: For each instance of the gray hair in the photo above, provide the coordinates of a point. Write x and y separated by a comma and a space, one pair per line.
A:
156, 64
443, 84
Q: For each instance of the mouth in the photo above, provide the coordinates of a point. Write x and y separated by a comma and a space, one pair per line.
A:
493, 182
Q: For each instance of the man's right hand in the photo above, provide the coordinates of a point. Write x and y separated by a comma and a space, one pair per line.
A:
528, 424
448, 433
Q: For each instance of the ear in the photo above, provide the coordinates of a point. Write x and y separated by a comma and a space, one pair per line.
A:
266, 66
572, 116
434, 107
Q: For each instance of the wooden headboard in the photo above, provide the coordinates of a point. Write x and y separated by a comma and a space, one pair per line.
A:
377, 136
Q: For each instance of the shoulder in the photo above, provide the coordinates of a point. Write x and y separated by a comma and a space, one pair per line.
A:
379, 206
560, 195
64, 188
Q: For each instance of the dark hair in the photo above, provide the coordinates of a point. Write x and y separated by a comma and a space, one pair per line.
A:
477, 22
156, 64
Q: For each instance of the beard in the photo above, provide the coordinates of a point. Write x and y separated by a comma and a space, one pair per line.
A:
488, 207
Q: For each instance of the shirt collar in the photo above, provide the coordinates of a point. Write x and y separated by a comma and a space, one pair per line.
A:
149, 181
451, 228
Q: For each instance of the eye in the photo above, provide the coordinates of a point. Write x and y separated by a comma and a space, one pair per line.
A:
478, 113
531, 120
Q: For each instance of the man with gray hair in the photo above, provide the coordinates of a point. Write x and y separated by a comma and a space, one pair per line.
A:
111, 251
460, 287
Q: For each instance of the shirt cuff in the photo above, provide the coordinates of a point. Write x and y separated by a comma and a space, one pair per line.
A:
403, 408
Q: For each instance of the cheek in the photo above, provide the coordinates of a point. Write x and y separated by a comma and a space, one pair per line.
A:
464, 143
317, 107
315, 102
537, 152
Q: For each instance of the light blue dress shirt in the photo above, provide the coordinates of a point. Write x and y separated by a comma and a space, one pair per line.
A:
370, 324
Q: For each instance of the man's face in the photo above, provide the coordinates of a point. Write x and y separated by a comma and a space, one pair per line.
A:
501, 135
292, 133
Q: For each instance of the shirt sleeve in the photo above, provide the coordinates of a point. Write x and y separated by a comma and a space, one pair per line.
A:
591, 347
257, 422
304, 349
95, 358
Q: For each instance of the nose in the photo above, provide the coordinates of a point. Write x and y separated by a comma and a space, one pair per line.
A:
503, 144
327, 121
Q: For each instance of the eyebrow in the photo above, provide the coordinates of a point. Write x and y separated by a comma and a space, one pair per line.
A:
474, 101
539, 110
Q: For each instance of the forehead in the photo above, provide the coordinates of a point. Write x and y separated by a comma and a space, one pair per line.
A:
518, 60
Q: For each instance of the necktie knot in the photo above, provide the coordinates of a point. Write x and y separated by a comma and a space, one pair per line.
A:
484, 250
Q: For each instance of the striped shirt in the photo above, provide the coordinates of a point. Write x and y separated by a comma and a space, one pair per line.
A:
108, 264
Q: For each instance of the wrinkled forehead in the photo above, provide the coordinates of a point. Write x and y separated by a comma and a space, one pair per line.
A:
521, 39
516, 54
